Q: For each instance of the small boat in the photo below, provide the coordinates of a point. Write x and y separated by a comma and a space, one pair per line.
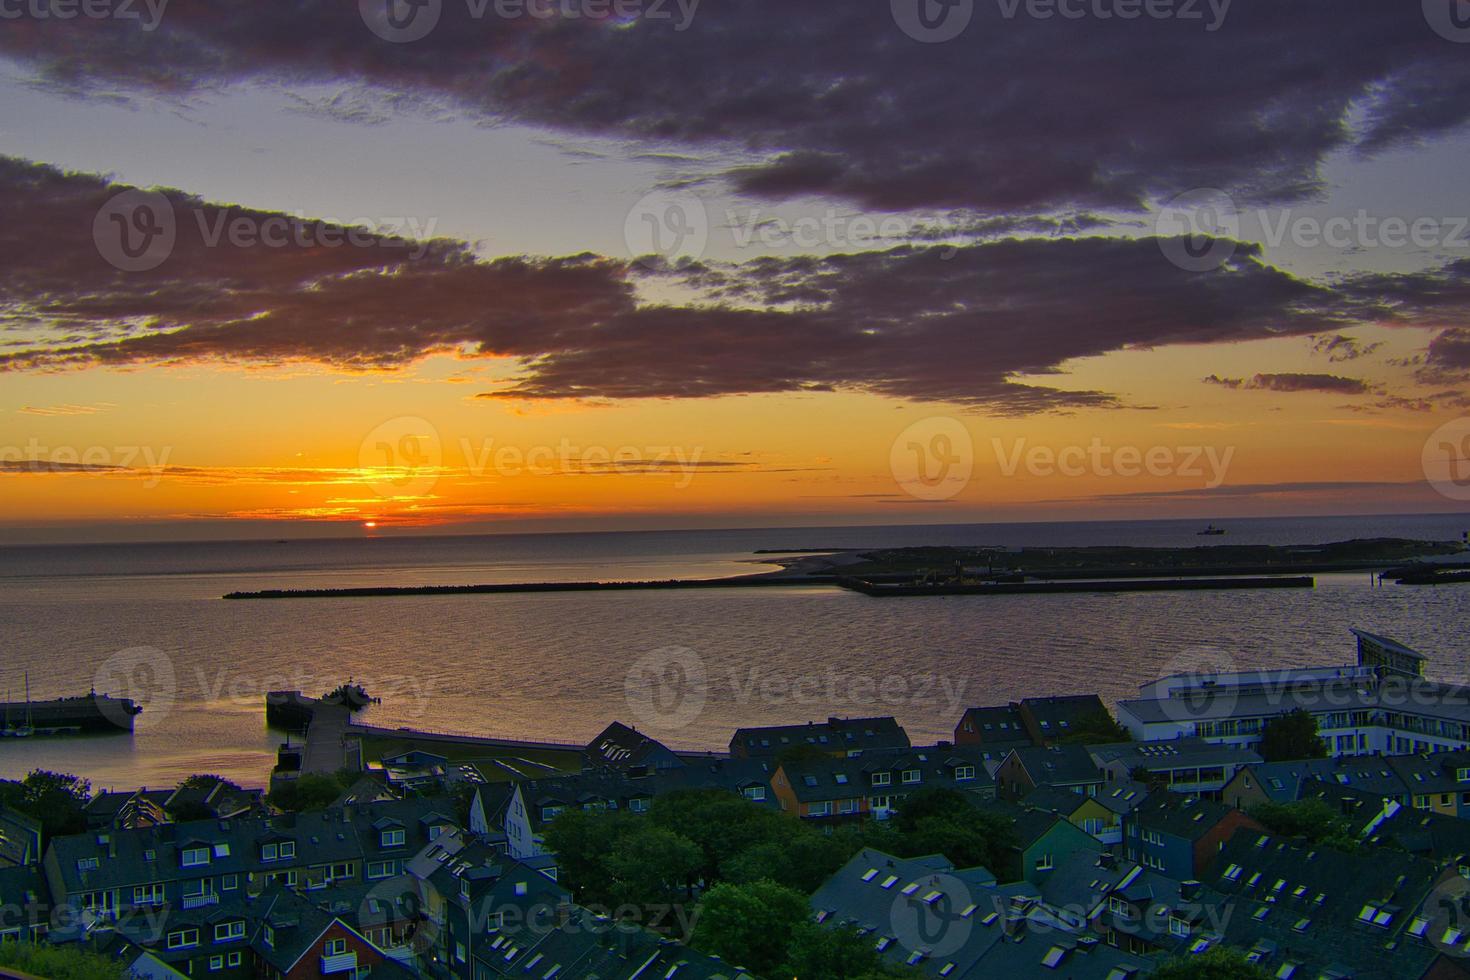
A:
1212, 531
25, 729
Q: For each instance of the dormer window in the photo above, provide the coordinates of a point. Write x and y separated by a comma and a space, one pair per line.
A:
195, 856
911, 775
963, 773
394, 838
882, 778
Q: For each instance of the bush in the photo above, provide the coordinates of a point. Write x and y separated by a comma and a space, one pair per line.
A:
58, 963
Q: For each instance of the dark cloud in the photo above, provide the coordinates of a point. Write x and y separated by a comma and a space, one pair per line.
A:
1016, 115
978, 325
1338, 348
1294, 382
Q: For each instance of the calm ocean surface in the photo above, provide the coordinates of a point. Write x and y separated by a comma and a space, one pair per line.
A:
148, 621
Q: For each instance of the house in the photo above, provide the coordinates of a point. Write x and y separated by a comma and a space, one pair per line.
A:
1436, 781
203, 863
1030, 721
1100, 815
1185, 765
203, 797
838, 736
934, 921
127, 810
1043, 840
415, 770
1068, 766
1273, 782
1180, 835
995, 731
1303, 911
532, 804
26, 901
1382, 705
20, 839
628, 751
295, 940
1146, 913
876, 782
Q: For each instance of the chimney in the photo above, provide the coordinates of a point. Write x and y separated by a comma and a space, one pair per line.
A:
563, 914
1014, 926
1189, 890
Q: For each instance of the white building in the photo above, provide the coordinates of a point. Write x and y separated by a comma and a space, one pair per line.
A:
1383, 705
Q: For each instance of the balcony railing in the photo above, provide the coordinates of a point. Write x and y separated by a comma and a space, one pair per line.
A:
341, 963
200, 901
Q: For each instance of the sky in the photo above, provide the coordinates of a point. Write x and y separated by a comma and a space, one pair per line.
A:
475, 265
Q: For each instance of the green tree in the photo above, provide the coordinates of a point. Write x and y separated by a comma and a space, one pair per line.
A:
1219, 963
750, 925
802, 752
308, 791
1313, 820
944, 821
839, 953
56, 799
582, 842
1292, 735
60, 963
1096, 728
652, 866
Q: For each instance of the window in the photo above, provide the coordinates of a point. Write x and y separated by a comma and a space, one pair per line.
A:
911, 775
226, 931
1045, 863
270, 852
87, 864
819, 809
847, 806
148, 894
183, 938
379, 869
882, 778
1178, 927
268, 933
638, 804
755, 792
195, 856
216, 963
235, 959
288, 849
963, 773
222, 850
230, 882
335, 947
396, 838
